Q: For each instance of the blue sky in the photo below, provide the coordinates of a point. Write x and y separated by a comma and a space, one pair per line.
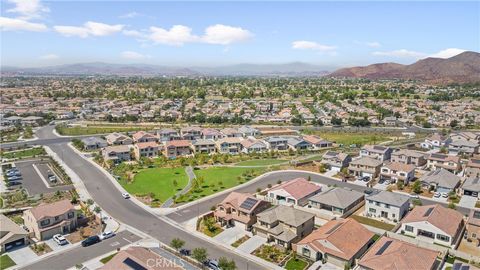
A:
36, 33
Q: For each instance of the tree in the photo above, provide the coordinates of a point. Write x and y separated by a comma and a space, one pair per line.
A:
454, 123
200, 254
226, 264
209, 223
97, 209
417, 187
400, 185
177, 243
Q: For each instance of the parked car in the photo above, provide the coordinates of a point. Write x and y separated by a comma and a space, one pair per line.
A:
436, 195
212, 264
387, 182
59, 239
106, 235
444, 195
126, 195
414, 195
13, 173
90, 241
52, 178
14, 178
185, 252
368, 191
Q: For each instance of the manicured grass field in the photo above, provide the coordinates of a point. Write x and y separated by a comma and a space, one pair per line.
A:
78, 130
24, 153
296, 264
261, 162
159, 181
373, 223
6, 262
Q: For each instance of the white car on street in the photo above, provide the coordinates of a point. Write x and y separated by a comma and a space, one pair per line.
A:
59, 239
106, 235
126, 195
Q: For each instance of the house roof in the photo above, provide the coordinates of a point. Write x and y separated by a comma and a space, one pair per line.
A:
367, 161
298, 188
398, 166
314, 139
375, 148
342, 238
441, 178
93, 140
443, 157
392, 254
178, 143
409, 153
143, 145
140, 134
51, 209
117, 148
390, 198
474, 217
237, 200
447, 220
9, 228
472, 184
140, 258
285, 214
337, 197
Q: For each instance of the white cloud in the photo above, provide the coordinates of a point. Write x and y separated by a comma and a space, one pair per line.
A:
89, 29
11, 24
225, 35
310, 45
28, 9
447, 53
133, 55
130, 15
373, 44
403, 53
50, 56
177, 35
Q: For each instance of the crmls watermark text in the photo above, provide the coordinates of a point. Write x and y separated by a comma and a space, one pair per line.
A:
164, 263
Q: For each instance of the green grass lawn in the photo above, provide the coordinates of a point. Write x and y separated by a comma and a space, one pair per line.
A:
373, 223
108, 258
159, 181
296, 264
24, 153
353, 138
261, 162
217, 179
78, 130
6, 262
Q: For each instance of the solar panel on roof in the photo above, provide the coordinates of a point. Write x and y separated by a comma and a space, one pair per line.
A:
248, 203
429, 211
384, 247
438, 155
133, 264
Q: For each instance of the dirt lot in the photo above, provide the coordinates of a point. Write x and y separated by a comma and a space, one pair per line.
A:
81, 233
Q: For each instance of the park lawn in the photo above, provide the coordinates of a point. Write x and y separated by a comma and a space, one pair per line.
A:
158, 181
78, 130
296, 264
261, 162
347, 138
6, 262
24, 153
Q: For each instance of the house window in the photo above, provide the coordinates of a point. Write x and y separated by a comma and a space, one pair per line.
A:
71, 215
57, 218
306, 252
45, 222
372, 210
387, 206
442, 237
408, 228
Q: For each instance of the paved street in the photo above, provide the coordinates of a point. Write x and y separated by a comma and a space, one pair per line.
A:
81, 254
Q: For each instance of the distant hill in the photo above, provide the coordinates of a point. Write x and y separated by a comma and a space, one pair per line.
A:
462, 68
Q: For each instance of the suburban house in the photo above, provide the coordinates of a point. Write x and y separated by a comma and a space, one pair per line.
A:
339, 242
204, 146
440, 180
191, 133
174, 149
146, 149
118, 139
277, 143
142, 136
472, 169
450, 163
407, 156
471, 187
394, 171
434, 223
463, 147
293, 192
317, 142
239, 209
168, 134
297, 144
49, 219
284, 225
436, 141
339, 201
11, 234
231, 133
248, 131
335, 161
253, 146
473, 227
117, 153
365, 167
229, 145
211, 134
141, 258
93, 143
465, 135
379, 152
390, 253
387, 205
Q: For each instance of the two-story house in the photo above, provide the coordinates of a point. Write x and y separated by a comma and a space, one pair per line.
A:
335, 161
463, 147
293, 192
117, 153
472, 169
407, 156
396, 171
93, 143
339, 201
49, 219
168, 134
365, 167
379, 152
204, 146
178, 148
229, 145
277, 143
317, 142
239, 209
118, 139
436, 141
191, 133
284, 225
248, 131
387, 205
297, 144
251, 145
211, 134
434, 224
142, 136
146, 149
437, 161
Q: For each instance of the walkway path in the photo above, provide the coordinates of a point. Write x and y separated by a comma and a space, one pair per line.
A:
191, 176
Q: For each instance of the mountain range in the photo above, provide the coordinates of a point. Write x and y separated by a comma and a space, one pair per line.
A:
462, 68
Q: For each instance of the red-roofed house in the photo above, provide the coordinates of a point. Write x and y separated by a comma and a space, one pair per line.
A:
174, 149
142, 136
293, 192
146, 149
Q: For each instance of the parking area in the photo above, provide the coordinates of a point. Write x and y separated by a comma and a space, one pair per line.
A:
33, 178
382, 185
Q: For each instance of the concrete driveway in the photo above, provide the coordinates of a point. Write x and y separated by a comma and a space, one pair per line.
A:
381, 186
360, 183
56, 247
467, 201
230, 235
251, 244
21, 255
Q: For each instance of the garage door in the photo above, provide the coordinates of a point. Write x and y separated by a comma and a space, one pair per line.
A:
13, 244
